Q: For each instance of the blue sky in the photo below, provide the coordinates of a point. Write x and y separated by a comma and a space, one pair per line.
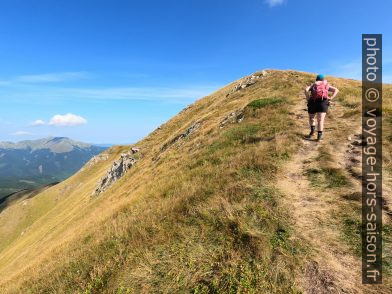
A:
110, 71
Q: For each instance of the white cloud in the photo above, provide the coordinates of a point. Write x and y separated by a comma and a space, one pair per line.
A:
67, 120
51, 77
37, 123
273, 3
21, 133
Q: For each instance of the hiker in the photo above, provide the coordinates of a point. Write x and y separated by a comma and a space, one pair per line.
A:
318, 102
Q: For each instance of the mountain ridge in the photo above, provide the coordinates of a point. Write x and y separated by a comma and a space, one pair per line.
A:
46, 143
212, 204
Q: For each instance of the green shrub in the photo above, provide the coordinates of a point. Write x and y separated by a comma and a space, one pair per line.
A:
352, 234
260, 103
327, 177
242, 132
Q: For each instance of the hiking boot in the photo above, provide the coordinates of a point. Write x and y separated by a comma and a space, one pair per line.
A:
308, 137
319, 136
312, 129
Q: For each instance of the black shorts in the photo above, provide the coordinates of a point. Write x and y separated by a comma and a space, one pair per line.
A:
318, 105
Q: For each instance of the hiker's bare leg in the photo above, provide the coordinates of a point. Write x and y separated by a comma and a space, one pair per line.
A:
312, 124
312, 121
320, 121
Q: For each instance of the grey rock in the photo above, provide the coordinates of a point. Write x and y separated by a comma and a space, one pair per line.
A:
249, 81
192, 128
357, 143
117, 171
135, 150
94, 160
234, 117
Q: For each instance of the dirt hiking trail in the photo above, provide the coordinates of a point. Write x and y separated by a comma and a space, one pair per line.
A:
315, 211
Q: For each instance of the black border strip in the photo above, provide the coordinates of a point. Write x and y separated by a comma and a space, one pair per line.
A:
372, 159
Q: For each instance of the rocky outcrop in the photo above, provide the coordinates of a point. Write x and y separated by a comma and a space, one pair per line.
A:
249, 81
95, 159
353, 157
181, 136
234, 117
135, 150
117, 171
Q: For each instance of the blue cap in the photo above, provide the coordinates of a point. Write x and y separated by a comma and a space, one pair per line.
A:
320, 77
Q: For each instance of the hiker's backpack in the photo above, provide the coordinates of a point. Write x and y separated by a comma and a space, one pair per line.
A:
320, 90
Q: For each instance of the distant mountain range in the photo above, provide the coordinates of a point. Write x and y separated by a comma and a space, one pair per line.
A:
33, 163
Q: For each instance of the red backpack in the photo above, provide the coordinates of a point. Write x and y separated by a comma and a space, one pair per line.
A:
320, 90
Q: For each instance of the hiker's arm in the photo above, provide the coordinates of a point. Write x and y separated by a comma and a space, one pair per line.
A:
334, 90
307, 89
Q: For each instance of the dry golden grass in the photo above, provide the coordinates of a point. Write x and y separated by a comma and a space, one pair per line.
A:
202, 216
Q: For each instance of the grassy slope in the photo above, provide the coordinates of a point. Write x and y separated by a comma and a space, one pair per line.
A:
202, 216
